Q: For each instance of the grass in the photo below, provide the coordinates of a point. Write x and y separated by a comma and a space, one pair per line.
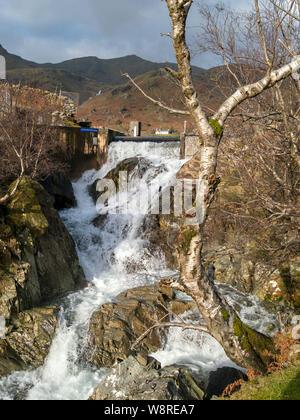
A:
283, 385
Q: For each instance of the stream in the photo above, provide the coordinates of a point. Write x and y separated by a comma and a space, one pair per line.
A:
105, 255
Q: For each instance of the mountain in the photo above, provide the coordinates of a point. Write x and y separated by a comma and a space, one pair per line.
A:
86, 75
49, 77
55, 80
110, 71
15, 62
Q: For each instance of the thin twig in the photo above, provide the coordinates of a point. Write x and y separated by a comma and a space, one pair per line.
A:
169, 325
159, 103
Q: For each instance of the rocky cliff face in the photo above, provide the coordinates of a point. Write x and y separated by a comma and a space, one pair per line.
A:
38, 262
28, 339
245, 269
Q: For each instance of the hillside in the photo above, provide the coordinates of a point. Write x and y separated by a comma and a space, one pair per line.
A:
54, 80
119, 102
15, 62
120, 105
85, 75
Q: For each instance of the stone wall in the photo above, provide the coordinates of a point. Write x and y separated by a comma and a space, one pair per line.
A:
80, 146
190, 145
105, 137
81, 150
75, 142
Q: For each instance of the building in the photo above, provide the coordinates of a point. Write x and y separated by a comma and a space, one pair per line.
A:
162, 132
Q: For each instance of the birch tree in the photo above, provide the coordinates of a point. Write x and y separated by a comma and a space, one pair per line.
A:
243, 345
267, 130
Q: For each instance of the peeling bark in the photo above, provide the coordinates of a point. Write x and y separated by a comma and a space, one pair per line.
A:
255, 89
243, 345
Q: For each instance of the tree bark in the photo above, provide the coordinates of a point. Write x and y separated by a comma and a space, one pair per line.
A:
243, 345
11, 193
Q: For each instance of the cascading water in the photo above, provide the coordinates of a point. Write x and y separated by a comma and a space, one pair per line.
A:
105, 255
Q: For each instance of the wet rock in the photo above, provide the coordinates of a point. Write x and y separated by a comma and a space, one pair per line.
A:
116, 326
23, 394
38, 259
60, 187
130, 380
162, 232
38, 262
28, 339
239, 263
180, 306
220, 379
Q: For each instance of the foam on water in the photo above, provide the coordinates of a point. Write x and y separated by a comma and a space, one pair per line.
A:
197, 349
106, 255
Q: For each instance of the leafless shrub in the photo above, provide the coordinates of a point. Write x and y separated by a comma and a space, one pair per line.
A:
29, 144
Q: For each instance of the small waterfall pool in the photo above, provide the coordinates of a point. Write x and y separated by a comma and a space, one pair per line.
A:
105, 255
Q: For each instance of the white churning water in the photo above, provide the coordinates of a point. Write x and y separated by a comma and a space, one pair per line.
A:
105, 255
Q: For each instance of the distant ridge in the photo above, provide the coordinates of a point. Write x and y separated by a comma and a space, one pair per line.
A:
86, 75
14, 61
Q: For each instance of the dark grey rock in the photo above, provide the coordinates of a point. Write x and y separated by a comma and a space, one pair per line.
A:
220, 379
130, 380
60, 187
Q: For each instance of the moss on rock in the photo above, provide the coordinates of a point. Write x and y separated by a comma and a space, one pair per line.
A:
188, 233
254, 343
225, 315
24, 209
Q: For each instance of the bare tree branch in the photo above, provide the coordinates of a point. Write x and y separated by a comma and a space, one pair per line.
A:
169, 325
159, 103
278, 6
255, 89
11, 193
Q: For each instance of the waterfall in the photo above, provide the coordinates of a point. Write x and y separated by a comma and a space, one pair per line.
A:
105, 255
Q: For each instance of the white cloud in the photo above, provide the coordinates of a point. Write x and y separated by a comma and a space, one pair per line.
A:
52, 31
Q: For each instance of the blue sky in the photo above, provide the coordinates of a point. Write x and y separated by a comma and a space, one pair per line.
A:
57, 30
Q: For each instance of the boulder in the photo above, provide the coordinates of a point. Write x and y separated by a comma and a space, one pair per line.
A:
162, 233
38, 262
219, 380
27, 341
60, 187
116, 326
38, 259
131, 380
241, 266
294, 354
